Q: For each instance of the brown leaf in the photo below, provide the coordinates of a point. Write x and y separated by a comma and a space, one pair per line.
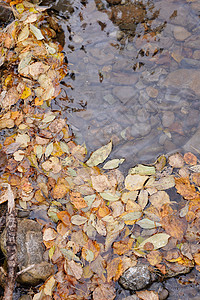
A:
176, 160
122, 247
114, 269
104, 292
190, 158
60, 191
154, 257
147, 295
65, 217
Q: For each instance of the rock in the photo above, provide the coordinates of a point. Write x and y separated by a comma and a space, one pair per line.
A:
168, 118
140, 129
137, 278
152, 92
180, 33
30, 251
193, 143
158, 287
184, 78
6, 14
124, 93
142, 115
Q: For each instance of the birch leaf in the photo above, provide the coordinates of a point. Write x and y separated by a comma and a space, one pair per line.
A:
158, 240
113, 164
143, 170
109, 196
78, 220
99, 155
37, 32
147, 224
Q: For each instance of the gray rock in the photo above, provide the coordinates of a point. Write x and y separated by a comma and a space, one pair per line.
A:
136, 278
142, 115
140, 129
124, 93
168, 118
30, 251
180, 33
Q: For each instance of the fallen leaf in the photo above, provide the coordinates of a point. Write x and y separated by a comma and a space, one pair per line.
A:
122, 247
77, 200
148, 224
176, 160
98, 156
110, 197
49, 286
113, 164
159, 198
143, 170
49, 234
37, 32
185, 189
114, 269
143, 198
158, 240
147, 295
100, 183
60, 191
78, 220
104, 292
154, 257
135, 182
76, 269
190, 158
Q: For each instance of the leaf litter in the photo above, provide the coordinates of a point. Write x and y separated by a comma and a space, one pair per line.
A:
102, 226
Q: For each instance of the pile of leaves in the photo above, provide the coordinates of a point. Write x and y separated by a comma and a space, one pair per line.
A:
100, 223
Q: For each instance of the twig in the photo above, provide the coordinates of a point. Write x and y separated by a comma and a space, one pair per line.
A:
25, 270
11, 246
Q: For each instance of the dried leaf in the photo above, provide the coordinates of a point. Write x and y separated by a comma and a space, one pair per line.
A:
190, 158
147, 295
148, 224
159, 198
49, 286
114, 269
77, 200
60, 191
23, 34
109, 196
158, 240
154, 258
185, 189
76, 269
176, 160
104, 292
98, 156
49, 234
49, 150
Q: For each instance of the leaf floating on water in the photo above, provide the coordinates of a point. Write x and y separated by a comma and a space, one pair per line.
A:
98, 156
37, 32
143, 170
113, 164
158, 240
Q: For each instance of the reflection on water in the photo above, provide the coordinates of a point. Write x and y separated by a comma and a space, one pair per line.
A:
133, 75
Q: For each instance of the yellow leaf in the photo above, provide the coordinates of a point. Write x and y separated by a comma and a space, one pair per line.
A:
20, 8
38, 101
26, 93
8, 79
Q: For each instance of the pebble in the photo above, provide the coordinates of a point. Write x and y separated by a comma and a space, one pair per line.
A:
168, 118
180, 33
124, 93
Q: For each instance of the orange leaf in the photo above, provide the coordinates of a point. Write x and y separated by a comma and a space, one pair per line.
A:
197, 258
62, 229
90, 251
77, 200
60, 191
122, 247
114, 269
65, 217
38, 101
185, 189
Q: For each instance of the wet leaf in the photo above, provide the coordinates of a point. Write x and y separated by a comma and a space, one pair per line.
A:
147, 295
37, 32
130, 217
176, 160
49, 150
190, 158
98, 156
76, 269
143, 170
185, 189
113, 164
26, 93
159, 198
163, 183
105, 292
143, 198
158, 240
60, 191
49, 286
135, 182
114, 269
154, 258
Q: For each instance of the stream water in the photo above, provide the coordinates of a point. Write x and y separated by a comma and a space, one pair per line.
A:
133, 75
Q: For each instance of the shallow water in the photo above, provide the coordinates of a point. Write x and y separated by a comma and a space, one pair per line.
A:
122, 83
